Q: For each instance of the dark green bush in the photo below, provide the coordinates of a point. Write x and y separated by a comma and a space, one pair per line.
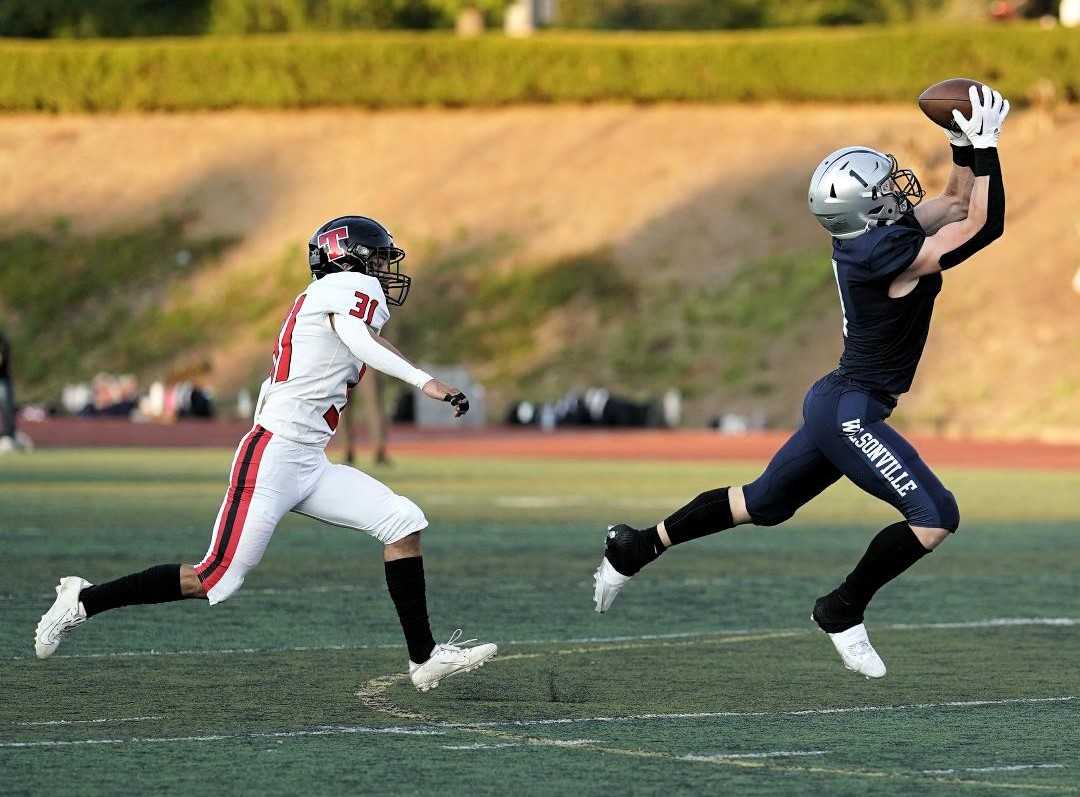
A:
394, 70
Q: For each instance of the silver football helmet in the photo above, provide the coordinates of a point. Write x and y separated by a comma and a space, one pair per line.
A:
856, 188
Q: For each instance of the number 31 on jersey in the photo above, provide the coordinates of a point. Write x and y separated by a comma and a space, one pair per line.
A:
365, 307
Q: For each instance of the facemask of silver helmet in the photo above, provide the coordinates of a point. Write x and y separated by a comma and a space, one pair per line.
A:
856, 188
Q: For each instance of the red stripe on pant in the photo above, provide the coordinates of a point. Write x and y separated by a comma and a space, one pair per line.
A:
234, 478
235, 508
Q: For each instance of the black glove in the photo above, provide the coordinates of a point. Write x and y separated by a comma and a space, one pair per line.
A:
458, 402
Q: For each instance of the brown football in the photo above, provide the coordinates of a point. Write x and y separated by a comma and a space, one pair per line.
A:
938, 101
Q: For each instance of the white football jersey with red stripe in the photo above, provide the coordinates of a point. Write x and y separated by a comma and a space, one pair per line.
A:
313, 369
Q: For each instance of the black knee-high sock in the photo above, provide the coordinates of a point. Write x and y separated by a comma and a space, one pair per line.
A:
158, 584
890, 553
707, 514
405, 581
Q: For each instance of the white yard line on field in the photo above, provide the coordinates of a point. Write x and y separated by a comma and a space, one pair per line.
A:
441, 728
802, 712
524, 743
1005, 768
995, 622
771, 754
99, 721
332, 730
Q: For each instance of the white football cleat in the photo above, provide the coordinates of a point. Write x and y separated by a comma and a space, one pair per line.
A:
626, 551
450, 658
858, 654
607, 584
65, 614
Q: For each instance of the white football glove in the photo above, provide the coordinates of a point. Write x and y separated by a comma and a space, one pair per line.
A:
988, 112
957, 139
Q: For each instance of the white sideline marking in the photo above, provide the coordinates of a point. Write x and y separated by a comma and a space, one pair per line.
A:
440, 728
995, 622
1009, 768
773, 754
90, 722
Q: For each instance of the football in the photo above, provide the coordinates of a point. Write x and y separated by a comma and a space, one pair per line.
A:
938, 101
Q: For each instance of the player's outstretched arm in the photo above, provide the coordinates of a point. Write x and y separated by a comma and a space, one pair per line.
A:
370, 349
985, 221
378, 353
952, 205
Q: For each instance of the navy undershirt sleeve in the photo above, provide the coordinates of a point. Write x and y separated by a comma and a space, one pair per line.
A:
985, 163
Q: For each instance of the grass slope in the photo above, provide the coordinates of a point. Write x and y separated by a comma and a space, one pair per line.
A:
291, 685
129, 294
95, 302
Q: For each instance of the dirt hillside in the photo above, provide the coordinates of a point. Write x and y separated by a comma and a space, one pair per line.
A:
672, 193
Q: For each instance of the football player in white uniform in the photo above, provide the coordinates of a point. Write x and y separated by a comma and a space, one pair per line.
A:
330, 336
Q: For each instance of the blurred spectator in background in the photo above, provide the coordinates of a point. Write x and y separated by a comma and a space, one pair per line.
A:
7, 397
183, 395
598, 407
1069, 13
112, 395
371, 388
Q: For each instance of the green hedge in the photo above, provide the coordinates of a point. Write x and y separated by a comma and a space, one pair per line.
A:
393, 70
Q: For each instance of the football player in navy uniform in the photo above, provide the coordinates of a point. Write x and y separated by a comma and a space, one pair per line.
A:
889, 253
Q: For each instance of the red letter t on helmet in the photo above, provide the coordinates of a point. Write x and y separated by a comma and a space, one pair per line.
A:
331, 242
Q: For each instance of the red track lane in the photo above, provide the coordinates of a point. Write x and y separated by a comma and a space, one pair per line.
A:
680, 445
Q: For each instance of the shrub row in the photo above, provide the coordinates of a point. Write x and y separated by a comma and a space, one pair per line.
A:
395, 70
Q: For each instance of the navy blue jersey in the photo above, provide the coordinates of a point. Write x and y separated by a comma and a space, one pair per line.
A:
883, 337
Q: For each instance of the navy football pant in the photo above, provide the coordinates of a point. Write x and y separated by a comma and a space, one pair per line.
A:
844, 434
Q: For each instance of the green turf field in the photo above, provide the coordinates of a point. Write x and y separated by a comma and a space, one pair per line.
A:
706, 677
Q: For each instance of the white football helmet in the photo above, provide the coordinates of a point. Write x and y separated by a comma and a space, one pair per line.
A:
856, 188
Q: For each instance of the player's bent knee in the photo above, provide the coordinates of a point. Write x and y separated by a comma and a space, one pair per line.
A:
763, 505
411, 515
949, 512
769, 515
764, 509
404, 519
